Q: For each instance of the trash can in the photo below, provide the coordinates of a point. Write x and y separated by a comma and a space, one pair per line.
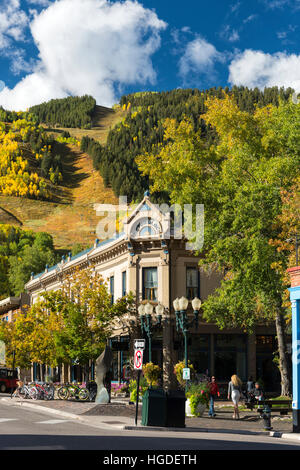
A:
154, 407
176, 408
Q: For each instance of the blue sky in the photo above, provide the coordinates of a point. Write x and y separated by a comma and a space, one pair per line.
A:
51, 49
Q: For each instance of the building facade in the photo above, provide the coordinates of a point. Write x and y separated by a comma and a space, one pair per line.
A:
147, 260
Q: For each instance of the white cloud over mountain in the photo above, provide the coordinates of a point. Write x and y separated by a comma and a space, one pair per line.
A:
88, 47
258, 69
199, 57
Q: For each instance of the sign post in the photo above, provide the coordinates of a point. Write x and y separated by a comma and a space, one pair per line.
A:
13, 367
295, 301
138, 365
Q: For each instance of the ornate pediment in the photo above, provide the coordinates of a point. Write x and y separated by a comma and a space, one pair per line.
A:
147, 221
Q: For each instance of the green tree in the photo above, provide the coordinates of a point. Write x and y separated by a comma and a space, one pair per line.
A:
72, 323
32, 259
239, 179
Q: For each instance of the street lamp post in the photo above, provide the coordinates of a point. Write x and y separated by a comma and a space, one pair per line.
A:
182, 323
147, 324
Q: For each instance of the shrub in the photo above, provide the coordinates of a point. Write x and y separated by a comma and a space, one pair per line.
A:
198, 393
152, 373
133, 388
178, 371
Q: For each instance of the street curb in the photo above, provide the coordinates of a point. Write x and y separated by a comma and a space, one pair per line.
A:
288, 436
203, 430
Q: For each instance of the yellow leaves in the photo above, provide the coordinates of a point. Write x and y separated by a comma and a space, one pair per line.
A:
15, 176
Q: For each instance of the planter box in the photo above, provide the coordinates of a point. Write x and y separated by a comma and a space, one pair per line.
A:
176, 408
154, 407
199, 410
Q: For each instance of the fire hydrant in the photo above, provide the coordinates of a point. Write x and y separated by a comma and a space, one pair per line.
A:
266, 416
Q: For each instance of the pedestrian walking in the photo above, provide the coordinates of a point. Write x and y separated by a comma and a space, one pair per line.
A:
213, 391
234, 392
258, 392
250, 385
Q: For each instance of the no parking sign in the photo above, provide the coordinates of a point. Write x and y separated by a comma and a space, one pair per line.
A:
138, 359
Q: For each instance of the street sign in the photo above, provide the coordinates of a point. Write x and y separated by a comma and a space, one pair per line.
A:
139, 344
138, 359
186, 373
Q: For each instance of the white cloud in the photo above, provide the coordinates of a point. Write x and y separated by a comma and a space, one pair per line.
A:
43, 3
229, 34
249, 18
88, 47
13, 22
199, 57
273, 4
259, 69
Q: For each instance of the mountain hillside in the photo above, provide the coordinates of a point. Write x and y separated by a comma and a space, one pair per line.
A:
67, 169
141, 130
67, 212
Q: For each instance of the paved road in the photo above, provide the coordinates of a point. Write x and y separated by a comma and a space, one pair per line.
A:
22, 428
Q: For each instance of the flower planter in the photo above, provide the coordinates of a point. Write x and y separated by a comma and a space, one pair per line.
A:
199, 410
154, 408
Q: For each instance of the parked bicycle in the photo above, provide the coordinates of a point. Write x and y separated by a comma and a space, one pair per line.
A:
67, 391
45, 391
25, 391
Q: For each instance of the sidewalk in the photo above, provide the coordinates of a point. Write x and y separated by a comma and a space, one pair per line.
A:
120, 415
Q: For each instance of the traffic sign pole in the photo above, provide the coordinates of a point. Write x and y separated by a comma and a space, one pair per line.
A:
137, 396
138, 365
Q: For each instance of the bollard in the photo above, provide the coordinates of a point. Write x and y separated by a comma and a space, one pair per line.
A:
266, 416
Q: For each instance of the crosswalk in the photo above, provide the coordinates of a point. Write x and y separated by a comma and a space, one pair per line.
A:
49, 421
53, 421
3, 420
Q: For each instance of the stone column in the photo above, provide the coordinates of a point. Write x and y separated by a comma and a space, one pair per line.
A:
295, 300
252, 355
169, 379
65, 373
212, 355
133, 286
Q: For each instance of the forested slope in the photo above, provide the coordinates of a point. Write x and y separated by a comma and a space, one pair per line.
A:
73, 111
142, 128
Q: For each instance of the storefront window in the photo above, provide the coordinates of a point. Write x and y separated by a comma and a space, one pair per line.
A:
266, 370
121, 358
230, 355
198, 352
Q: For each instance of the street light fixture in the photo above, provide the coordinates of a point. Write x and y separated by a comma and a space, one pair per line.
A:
147, 324
182, 323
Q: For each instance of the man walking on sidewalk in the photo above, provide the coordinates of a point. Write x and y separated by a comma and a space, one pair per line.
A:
213, 391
